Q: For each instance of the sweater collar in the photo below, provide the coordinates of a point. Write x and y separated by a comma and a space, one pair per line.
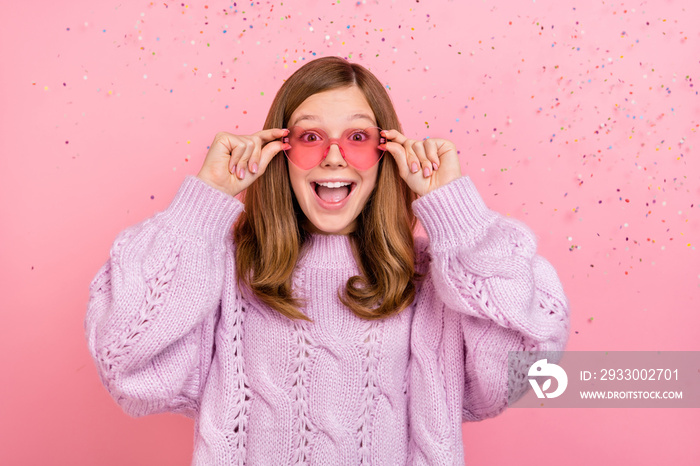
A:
327, 251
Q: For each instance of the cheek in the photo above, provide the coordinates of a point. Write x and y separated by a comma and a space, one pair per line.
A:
298, 181
369, 184
372, 179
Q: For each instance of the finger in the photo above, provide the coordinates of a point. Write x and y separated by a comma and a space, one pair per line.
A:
269, 151
398, 151
411, 157
262, 152
236, 154
393, 135
268, 135
444, 146
223, 143
254, 158
227, 145
242, 165
419, 149
431, 150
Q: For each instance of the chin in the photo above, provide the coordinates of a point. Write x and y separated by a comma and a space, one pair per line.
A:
320, 227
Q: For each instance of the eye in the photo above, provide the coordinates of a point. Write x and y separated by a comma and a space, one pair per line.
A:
358, 136
309, 137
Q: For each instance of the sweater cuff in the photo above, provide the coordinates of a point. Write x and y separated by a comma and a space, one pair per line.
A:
453, 214
202, 210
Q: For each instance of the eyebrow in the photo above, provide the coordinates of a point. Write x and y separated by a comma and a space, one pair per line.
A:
356, 116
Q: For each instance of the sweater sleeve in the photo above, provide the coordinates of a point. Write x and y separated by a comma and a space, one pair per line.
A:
154, 304
484, 266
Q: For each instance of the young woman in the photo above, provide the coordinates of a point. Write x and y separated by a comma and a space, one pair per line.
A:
307, 324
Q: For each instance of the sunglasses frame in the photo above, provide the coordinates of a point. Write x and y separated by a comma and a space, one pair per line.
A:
336, 141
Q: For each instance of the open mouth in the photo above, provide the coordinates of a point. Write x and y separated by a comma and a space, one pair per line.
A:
333, 194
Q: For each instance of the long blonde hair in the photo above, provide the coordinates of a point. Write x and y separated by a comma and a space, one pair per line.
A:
269, 234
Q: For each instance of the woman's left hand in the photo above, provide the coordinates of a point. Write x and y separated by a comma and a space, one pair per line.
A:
424, 165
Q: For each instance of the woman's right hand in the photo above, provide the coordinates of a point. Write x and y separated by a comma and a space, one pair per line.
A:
234, 161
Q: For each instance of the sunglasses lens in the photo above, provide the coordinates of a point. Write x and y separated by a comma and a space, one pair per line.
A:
360, 147
310, 146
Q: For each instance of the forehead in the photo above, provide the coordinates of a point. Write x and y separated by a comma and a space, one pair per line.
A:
334, 107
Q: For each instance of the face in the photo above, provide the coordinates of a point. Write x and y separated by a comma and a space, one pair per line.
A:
334, 112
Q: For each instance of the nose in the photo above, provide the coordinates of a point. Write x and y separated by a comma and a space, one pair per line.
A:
334, 156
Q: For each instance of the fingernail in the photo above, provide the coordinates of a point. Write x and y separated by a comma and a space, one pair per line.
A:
435, 167
426, 172
414, 167
241, 173
233, 170
254, 168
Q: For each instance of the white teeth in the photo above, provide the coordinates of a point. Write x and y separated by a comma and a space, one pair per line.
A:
336, 184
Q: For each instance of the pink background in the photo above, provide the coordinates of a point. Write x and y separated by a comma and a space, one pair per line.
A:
579, 118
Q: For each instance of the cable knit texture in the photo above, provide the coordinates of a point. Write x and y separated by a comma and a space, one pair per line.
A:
169, 331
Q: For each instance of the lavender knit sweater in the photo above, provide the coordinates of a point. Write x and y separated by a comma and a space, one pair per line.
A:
169, 331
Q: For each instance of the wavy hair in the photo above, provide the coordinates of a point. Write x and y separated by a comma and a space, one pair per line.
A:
270, 234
